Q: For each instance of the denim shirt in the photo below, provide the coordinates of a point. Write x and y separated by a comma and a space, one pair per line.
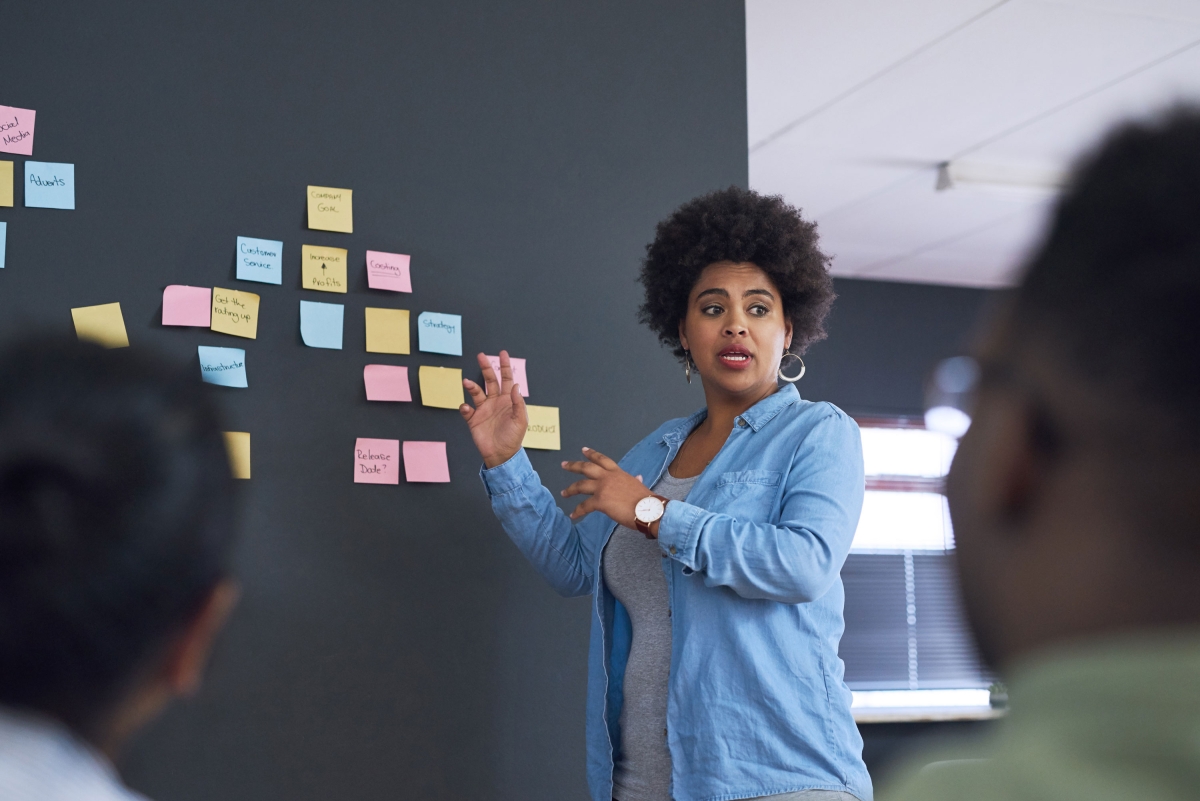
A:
756, 702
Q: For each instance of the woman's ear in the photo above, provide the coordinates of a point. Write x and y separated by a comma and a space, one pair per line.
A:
787, 335
683, 336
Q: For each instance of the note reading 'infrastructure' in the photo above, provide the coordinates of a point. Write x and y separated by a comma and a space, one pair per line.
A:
6, 184
237, 443
441, 387
440, 333
387, 330
3, 242
16, 130
322, 268
376, 461
330, 209
388, 271
518, 371
187, 305
321, 324
49, 185
102, 324
386, 382
259, 260
426, 462
542, 432
235, 312
224, 367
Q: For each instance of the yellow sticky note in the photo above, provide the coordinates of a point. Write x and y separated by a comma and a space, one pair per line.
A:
102, 324
237, 443
441, 387
330, 209
6, 183
323, 269
235, 312
387, 330
542, 432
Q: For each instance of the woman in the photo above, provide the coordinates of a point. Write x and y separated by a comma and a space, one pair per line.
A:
713, 670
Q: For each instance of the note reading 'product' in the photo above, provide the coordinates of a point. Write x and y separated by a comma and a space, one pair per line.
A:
542, 432
224, 367
518, 371
330, 209
376, 461
426, 462
388, 271
16, 130
322, 268
237, 443
387, 330
440, 333
386, 382
49, 185
187, 305
259, 260
6, 183
441, 387
321, 324
235, 312
102, 324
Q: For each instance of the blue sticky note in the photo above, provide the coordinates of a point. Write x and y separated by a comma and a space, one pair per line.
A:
3, 242
49, 185
259, 260
223, 366
440, 333
321, 324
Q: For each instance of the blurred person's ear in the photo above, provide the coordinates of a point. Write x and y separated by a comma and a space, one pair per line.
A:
183, 668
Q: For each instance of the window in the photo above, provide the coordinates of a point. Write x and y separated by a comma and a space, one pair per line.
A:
908, 652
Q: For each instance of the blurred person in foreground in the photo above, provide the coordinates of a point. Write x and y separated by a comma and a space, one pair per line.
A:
115, 532
1075, 494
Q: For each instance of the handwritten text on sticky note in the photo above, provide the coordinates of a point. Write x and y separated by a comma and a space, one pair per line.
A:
322, 268
321, 324
16, 130
224, 367
518, 371
102, 324
259, 260
235, 312
237, 444
330, 209
386, 382
440, 333
187, 305
543, 431
388, 271
441, 387
376, 461
426, 462
49, 185
387, 330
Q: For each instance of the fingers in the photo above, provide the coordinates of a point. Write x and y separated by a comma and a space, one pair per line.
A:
506, 375
518, 403
466, 411
585, 487
477, 394
584, 468
490, 383
584, 508
596, 457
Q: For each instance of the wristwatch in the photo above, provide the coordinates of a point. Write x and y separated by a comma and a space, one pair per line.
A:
648, 510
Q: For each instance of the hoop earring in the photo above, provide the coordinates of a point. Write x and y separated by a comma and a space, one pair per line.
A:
799, 375
687, 365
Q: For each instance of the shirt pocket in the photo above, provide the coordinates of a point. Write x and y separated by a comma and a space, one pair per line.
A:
747, 494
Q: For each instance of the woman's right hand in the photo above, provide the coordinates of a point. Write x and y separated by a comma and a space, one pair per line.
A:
498, 419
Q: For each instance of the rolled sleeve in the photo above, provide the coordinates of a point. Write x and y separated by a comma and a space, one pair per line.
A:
679, 532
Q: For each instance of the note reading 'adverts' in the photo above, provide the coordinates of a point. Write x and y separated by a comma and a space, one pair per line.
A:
49, 185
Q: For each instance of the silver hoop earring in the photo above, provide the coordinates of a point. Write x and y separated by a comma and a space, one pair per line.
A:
799, 375
687, 365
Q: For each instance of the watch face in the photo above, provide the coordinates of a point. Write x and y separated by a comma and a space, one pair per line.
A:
648, 509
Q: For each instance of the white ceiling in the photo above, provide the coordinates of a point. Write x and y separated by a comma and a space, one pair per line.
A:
853, 103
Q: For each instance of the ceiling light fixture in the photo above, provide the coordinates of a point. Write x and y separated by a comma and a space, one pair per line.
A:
1004, 177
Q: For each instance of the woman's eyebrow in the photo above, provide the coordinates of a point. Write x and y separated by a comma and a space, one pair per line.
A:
750, 292
713, 291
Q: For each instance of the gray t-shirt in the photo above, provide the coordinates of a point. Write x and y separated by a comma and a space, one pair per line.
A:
634, 574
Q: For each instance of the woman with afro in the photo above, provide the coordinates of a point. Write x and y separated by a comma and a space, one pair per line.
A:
714, 562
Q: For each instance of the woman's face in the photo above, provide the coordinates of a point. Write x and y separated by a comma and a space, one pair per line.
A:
735, 329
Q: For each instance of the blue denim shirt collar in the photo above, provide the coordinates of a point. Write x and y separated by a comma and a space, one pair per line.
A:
756, 416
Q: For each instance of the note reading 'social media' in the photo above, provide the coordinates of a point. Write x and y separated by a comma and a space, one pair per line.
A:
16, 130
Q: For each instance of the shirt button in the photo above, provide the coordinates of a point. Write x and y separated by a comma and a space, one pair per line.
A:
672, 550
742, 422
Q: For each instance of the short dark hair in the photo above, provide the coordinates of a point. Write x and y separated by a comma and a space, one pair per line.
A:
737, 225
116, 519
1116, 282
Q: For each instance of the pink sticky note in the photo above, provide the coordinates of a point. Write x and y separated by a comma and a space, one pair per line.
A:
518, 368
426, 461
16, 130
388, 271
376, 461
386, 382
187, 305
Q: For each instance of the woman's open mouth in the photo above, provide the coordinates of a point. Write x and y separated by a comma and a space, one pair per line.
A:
735, 357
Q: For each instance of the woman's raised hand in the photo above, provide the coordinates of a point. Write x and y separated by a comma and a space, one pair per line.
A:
498, 419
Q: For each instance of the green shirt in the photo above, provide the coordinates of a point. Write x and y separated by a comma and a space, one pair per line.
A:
1118, 719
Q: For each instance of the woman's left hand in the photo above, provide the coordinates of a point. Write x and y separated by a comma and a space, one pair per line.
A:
614, 492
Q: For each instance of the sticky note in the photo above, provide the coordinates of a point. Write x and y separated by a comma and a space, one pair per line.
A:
386, 382
330, 209
101, 324
440, 333
542, 432
235, 312
387, 330
225, 367
387, 271
259, 260
426, 462
16, 130
323, 269
49, 185
6, 183
441, 387
187, 305
321, 324
237, 443
3, 242
376, 461
518, 371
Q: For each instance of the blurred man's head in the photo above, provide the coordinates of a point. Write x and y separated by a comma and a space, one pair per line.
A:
1076, 493
115, 534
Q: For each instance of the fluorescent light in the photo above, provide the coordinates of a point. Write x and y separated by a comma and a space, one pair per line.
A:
902, 699
947, 420
1040, 179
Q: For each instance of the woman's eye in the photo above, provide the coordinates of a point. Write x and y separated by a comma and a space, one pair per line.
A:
712, 310
759, 310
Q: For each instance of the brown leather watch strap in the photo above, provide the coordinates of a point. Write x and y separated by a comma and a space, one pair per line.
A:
645, 527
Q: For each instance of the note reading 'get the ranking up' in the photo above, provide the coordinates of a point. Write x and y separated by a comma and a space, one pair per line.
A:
330, 209
235, 312
16, 130
322, 268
